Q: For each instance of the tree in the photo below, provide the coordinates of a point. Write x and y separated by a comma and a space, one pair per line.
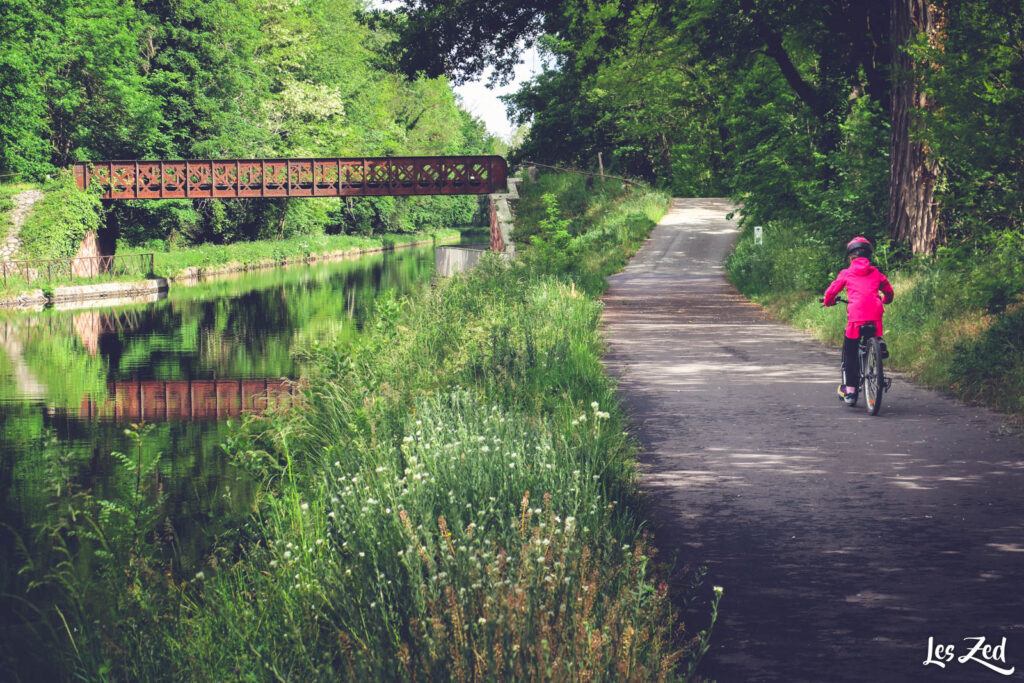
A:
913, 170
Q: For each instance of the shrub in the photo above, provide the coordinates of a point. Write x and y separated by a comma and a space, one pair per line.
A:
60, 220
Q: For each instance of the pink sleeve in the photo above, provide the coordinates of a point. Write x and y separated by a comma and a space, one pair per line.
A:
886, 289
835, 288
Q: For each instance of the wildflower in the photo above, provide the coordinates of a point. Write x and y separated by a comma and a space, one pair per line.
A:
419, 422
348, 572
593, 404
304, 506
319, 541
200, 576
407, 439
273, 563
373, 604
337, 463
485, 449
481, 621
511, 465
287, 554
331, 514
380, 468
362, 554
718, 591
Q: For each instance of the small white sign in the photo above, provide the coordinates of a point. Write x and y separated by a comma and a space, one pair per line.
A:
758, 235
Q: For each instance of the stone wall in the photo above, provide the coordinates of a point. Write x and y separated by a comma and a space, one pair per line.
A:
87, 262
23, 202
502, 218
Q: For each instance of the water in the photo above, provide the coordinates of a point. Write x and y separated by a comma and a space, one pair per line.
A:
72, 381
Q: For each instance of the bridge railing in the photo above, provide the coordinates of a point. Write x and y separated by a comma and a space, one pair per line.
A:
51, 271
334, 177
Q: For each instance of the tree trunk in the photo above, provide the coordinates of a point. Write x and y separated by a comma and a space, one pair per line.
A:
913, 212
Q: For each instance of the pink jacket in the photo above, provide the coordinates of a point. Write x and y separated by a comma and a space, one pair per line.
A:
862, 282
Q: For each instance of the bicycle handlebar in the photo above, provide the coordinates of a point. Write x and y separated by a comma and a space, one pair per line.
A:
838, 298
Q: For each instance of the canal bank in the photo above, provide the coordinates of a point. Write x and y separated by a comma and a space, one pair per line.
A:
116, 293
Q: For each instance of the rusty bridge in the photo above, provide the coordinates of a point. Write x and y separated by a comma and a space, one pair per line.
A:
338, 177
187, 400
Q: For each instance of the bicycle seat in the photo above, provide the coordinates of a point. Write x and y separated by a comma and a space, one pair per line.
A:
868, 330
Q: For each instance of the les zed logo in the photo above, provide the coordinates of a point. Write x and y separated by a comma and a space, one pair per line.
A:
981, 653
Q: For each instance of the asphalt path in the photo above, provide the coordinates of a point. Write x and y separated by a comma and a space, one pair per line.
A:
845, 543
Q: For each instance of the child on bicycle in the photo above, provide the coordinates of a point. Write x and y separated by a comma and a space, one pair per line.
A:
867, 290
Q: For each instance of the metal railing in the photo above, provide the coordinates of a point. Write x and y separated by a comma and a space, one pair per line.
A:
333, 177
58, 270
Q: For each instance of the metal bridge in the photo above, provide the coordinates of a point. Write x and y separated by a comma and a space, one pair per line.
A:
338, 177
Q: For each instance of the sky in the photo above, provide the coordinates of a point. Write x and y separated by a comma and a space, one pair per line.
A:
482, 101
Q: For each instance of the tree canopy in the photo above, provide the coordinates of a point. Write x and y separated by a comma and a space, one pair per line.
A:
788, 106
172, 79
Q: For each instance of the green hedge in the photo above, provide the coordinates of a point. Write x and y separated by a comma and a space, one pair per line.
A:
60, 220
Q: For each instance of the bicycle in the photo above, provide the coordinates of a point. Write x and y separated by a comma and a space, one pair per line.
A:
871, 351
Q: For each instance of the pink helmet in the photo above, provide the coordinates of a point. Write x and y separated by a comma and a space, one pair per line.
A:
859, 244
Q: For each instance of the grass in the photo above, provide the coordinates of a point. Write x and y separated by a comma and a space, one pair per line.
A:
212, 258
456, 500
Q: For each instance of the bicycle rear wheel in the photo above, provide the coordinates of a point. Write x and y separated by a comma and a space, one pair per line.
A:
874, 377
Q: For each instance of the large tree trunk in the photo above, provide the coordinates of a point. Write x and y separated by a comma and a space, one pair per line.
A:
913, 213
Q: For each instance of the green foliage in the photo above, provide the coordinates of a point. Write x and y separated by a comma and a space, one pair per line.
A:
990, 369
60, 220
550, 243
222, 78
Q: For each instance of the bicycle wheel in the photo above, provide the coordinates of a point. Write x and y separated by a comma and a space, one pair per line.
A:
874, 377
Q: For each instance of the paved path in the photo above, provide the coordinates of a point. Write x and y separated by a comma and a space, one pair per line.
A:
843, 541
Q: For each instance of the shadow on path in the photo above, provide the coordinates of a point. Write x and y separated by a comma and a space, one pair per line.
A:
843, 541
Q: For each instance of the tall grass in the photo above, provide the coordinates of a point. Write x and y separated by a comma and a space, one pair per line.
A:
455, 500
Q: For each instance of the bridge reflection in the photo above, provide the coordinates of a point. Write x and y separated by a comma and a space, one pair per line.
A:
187, 400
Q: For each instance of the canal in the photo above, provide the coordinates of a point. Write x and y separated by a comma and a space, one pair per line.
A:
73, 381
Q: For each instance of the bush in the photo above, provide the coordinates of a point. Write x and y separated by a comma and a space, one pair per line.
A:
60, 220
991, 368
787, 261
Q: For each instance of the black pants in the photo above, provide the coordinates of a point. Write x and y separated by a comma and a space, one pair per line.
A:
851, 363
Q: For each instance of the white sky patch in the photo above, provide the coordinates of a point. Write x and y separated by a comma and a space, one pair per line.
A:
481, 101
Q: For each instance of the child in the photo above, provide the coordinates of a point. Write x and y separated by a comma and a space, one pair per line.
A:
863, 282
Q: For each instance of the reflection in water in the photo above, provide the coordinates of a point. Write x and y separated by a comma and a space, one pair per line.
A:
187, 399
71, 381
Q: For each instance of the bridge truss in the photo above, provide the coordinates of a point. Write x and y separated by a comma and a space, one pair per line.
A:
338, 177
